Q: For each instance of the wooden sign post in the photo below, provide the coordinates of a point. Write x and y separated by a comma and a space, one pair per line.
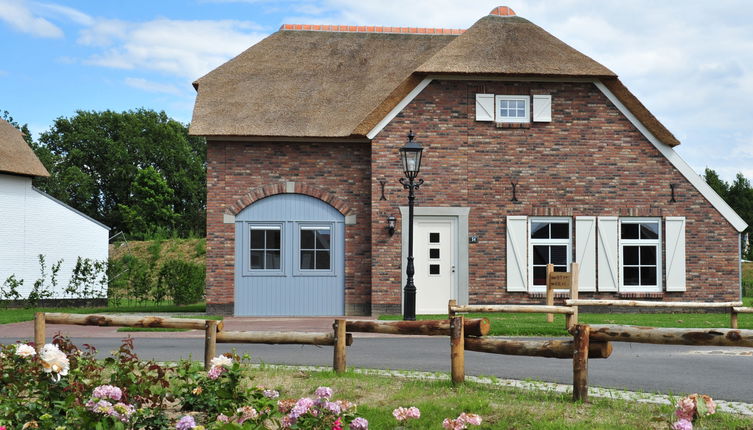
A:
562, 281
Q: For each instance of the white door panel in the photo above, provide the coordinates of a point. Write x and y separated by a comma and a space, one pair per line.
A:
435, 260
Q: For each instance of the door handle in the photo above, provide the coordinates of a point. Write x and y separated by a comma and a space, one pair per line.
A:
453, 269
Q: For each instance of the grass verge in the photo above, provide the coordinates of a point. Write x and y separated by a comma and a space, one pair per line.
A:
500, 407
536, 325
17, 315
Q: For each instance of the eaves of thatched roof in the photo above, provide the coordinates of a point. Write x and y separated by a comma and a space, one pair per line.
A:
15, 155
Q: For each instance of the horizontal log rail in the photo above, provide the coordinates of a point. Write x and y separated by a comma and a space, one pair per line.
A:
536, 348
529, 309
648, 304
471, 327
742, 310
672, 336
279, 337
128, 321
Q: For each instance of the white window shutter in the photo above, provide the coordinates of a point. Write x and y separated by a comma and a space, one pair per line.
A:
517, 253
484, 107
675, 252
608, 251
585, 252
542, 108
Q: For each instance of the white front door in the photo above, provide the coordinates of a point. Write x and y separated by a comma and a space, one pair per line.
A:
434, 250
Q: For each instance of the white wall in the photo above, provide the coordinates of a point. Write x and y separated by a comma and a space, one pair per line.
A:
32, 223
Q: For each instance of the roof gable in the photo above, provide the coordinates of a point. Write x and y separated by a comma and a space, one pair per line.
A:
15, 155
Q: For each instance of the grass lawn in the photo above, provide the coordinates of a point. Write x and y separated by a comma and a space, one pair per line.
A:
500, 407
536, 325
18, 315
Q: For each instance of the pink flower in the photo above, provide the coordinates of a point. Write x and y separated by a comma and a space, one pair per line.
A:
682, 425
472, 419
222, 418
215, 372
685, 409
185, 423
3, 428
271, 394
402, 414
323, 392
357, 424
107, 392
338, 424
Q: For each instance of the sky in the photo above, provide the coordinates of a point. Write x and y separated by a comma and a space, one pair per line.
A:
689, 62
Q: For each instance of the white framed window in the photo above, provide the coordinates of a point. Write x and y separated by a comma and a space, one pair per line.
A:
549, 242
315, 248
640, 254
512, 108
265, 247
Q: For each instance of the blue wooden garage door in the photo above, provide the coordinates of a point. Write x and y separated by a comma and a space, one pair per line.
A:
289, 257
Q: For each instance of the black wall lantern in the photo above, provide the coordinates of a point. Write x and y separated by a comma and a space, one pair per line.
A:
391, 225
411, 158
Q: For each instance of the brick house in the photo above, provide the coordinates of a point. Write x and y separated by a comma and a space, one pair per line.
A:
533, 154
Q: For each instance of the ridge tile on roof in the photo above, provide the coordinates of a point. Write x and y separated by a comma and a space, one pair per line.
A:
370, 29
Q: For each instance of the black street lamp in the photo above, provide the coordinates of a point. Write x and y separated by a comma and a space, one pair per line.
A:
411, 157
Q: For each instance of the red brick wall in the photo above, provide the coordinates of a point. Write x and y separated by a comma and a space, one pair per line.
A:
589, 160
338, 173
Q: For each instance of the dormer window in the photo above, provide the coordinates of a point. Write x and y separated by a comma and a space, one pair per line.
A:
512, 108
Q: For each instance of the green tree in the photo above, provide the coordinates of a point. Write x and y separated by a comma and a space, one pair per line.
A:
94, 159
22, 128
717, 184
151, 204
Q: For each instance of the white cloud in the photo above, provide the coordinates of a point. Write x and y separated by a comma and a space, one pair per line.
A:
18, 15
187, 49
154, 87
57, 11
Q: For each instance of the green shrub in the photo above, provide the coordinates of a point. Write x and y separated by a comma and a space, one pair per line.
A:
184, 281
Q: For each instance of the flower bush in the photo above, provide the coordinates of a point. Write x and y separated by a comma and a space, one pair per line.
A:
692, 408
62, 387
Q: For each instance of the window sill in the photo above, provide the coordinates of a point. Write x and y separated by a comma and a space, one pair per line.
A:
542, 295
641, 295
513, 124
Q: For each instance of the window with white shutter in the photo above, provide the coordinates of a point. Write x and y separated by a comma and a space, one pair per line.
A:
549, 242
517, 253
675, 252
512, 109
585, 252
640, 254
607, 251
484, 107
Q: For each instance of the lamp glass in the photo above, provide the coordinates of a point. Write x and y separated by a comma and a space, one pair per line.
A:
411, 155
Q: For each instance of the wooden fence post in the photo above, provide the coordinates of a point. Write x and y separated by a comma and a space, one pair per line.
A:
338, 362
732, 318
572, 320
451, 304
580, 362
457, 349
39, 330
210, 343
549, 292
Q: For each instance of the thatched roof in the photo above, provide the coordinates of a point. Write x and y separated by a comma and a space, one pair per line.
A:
340, 81
15, 155
308, 83
511, 45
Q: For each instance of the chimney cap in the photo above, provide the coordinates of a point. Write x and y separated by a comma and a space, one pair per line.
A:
502, 11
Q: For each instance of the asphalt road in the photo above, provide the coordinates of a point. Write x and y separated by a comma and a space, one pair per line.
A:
723, 373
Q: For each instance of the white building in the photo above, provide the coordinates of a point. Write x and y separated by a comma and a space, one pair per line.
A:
33, 223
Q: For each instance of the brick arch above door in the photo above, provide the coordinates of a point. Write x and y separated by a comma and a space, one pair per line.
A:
259, 193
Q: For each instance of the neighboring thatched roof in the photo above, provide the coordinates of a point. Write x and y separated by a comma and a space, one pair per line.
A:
337, 81
511, 45
307, 83
15, 155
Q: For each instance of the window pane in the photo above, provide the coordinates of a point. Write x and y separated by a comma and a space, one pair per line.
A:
539, 230
322, 260
257, 259
434, 269
539, 275
540, 254
560, 230
273, 260
307, 260
307, 239
629, 231
630, 275
630, 255
648, 255
434, 253
322, 239
520, 113
433, 237
648, 275
273, 239
257, 239
650, 230
558, 255
560, 268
